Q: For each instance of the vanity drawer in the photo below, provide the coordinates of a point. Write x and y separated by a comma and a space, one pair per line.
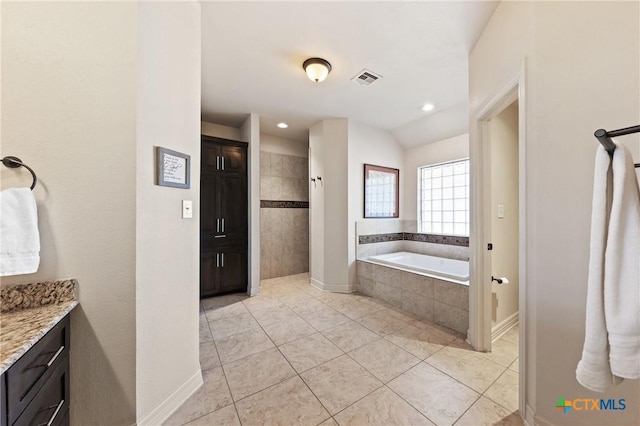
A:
29, 374
51, 403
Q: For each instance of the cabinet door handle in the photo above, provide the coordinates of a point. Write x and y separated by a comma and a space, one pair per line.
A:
220, 236
217, 260
223, 224
217, 162
222, 163
218, 225
55, 414
223, 260
51, 361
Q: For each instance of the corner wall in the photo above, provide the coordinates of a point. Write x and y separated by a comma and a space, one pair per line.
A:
167, 246
69, 111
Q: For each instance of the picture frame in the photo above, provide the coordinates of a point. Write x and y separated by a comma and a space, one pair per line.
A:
381, 192
173, 168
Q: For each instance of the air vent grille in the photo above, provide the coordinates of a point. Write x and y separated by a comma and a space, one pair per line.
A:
366, 77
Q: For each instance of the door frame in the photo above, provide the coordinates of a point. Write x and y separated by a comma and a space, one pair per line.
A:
480, 260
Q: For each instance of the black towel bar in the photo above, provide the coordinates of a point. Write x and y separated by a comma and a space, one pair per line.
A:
15, 162
605, 137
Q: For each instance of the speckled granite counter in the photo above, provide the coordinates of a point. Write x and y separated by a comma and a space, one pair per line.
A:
28, 312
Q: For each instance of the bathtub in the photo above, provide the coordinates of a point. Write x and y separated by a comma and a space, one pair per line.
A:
452, 269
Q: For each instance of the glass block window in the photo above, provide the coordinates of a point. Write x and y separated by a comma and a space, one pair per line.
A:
443, 198
381, 198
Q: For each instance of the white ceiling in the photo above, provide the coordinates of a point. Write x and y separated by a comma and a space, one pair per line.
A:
252, 54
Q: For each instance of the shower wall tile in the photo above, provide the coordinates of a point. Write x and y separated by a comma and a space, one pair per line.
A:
275, 167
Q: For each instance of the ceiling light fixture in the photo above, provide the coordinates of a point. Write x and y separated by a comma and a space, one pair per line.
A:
317, 69
282, 125
428, 107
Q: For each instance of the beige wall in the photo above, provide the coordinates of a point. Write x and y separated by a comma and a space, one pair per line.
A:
220, 131
582, 73
69, 111
167, 246
283, 146
504, 231
451, 149
316, 204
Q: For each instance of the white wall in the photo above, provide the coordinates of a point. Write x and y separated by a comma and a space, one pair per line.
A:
250, 132
582, 74
283, 146
316, 204
504, 231
454, 148
167, 246
220, 131
368, 145
69, 111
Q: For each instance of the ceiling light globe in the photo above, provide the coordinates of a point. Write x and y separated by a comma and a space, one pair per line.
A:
317, 69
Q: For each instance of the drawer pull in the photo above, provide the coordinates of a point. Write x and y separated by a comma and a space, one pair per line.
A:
55, 356
55, 414
219, 236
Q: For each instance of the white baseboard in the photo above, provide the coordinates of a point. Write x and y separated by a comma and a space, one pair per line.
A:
504, 326
167, 407
334, 288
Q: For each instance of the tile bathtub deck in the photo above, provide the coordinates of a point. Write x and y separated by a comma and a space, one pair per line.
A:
297, 355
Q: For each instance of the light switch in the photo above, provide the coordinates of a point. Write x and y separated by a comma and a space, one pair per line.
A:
187, 209
500, 211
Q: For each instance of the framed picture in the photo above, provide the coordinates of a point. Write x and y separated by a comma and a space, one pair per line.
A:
172, 168
381, 192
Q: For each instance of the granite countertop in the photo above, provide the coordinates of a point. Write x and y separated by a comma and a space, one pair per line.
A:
28, 312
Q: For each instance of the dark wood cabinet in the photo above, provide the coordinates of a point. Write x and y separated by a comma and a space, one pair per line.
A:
224, 217
35, 390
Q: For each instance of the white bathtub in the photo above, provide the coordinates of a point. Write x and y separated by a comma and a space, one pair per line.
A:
457, 270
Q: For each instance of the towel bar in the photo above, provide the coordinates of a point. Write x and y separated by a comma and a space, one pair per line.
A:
14, 162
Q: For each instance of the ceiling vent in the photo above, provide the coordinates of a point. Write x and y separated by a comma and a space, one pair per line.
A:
366, 77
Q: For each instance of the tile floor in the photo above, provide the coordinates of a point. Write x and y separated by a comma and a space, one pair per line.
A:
295, 355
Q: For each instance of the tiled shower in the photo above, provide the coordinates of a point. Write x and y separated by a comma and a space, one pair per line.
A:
284, 215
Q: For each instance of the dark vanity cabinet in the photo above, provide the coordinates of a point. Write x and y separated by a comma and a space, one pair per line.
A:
35, 389
223, 216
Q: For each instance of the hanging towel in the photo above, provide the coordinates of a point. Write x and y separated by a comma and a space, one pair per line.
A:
594, 370
19, 237
622, 269
612, 337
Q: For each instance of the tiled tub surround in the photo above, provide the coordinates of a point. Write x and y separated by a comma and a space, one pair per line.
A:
29, 311
284, 215
433, 299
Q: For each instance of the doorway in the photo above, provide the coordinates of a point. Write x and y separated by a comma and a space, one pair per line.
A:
498, 236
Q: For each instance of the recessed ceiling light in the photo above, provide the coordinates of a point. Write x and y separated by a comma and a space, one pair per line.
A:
282, 125
428, 107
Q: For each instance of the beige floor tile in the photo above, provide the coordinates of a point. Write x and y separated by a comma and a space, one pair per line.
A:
505, 390
487, 413
340, 382
323, 318
438, 330
439, 397
306, 353
515, 365
242, 345
403, 316
306, 305
288, 403
417, 341
273, 315
231, 325
467, 366
224, 311
382, 323
212, 395
288, 331
329, 422
261, 302
208, 356
205, 332
513, 335
357, 309
226, 416
257, 372
503, 352
384, 360
296, 297
350, 336
219, 301
382, 407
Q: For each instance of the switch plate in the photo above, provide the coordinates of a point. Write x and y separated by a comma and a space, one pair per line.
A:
187, 209
500, 211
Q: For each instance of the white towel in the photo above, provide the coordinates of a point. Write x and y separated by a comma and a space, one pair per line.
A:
612, 329
19, 236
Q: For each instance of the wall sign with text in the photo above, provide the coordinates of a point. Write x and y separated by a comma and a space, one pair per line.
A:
172, 168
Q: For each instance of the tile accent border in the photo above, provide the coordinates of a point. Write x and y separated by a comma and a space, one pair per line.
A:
272, 204
33, 295
411, 236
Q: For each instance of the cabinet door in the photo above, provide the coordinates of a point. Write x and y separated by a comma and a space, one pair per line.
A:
209, 280
235, 160
210, 157
233, 269
209, 201
233, 208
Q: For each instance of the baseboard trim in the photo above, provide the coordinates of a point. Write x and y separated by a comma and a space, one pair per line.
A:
167, 407
334, 288
539, 421
529, 416
504, 326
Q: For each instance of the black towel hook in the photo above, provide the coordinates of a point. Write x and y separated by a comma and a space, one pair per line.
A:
14, 162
